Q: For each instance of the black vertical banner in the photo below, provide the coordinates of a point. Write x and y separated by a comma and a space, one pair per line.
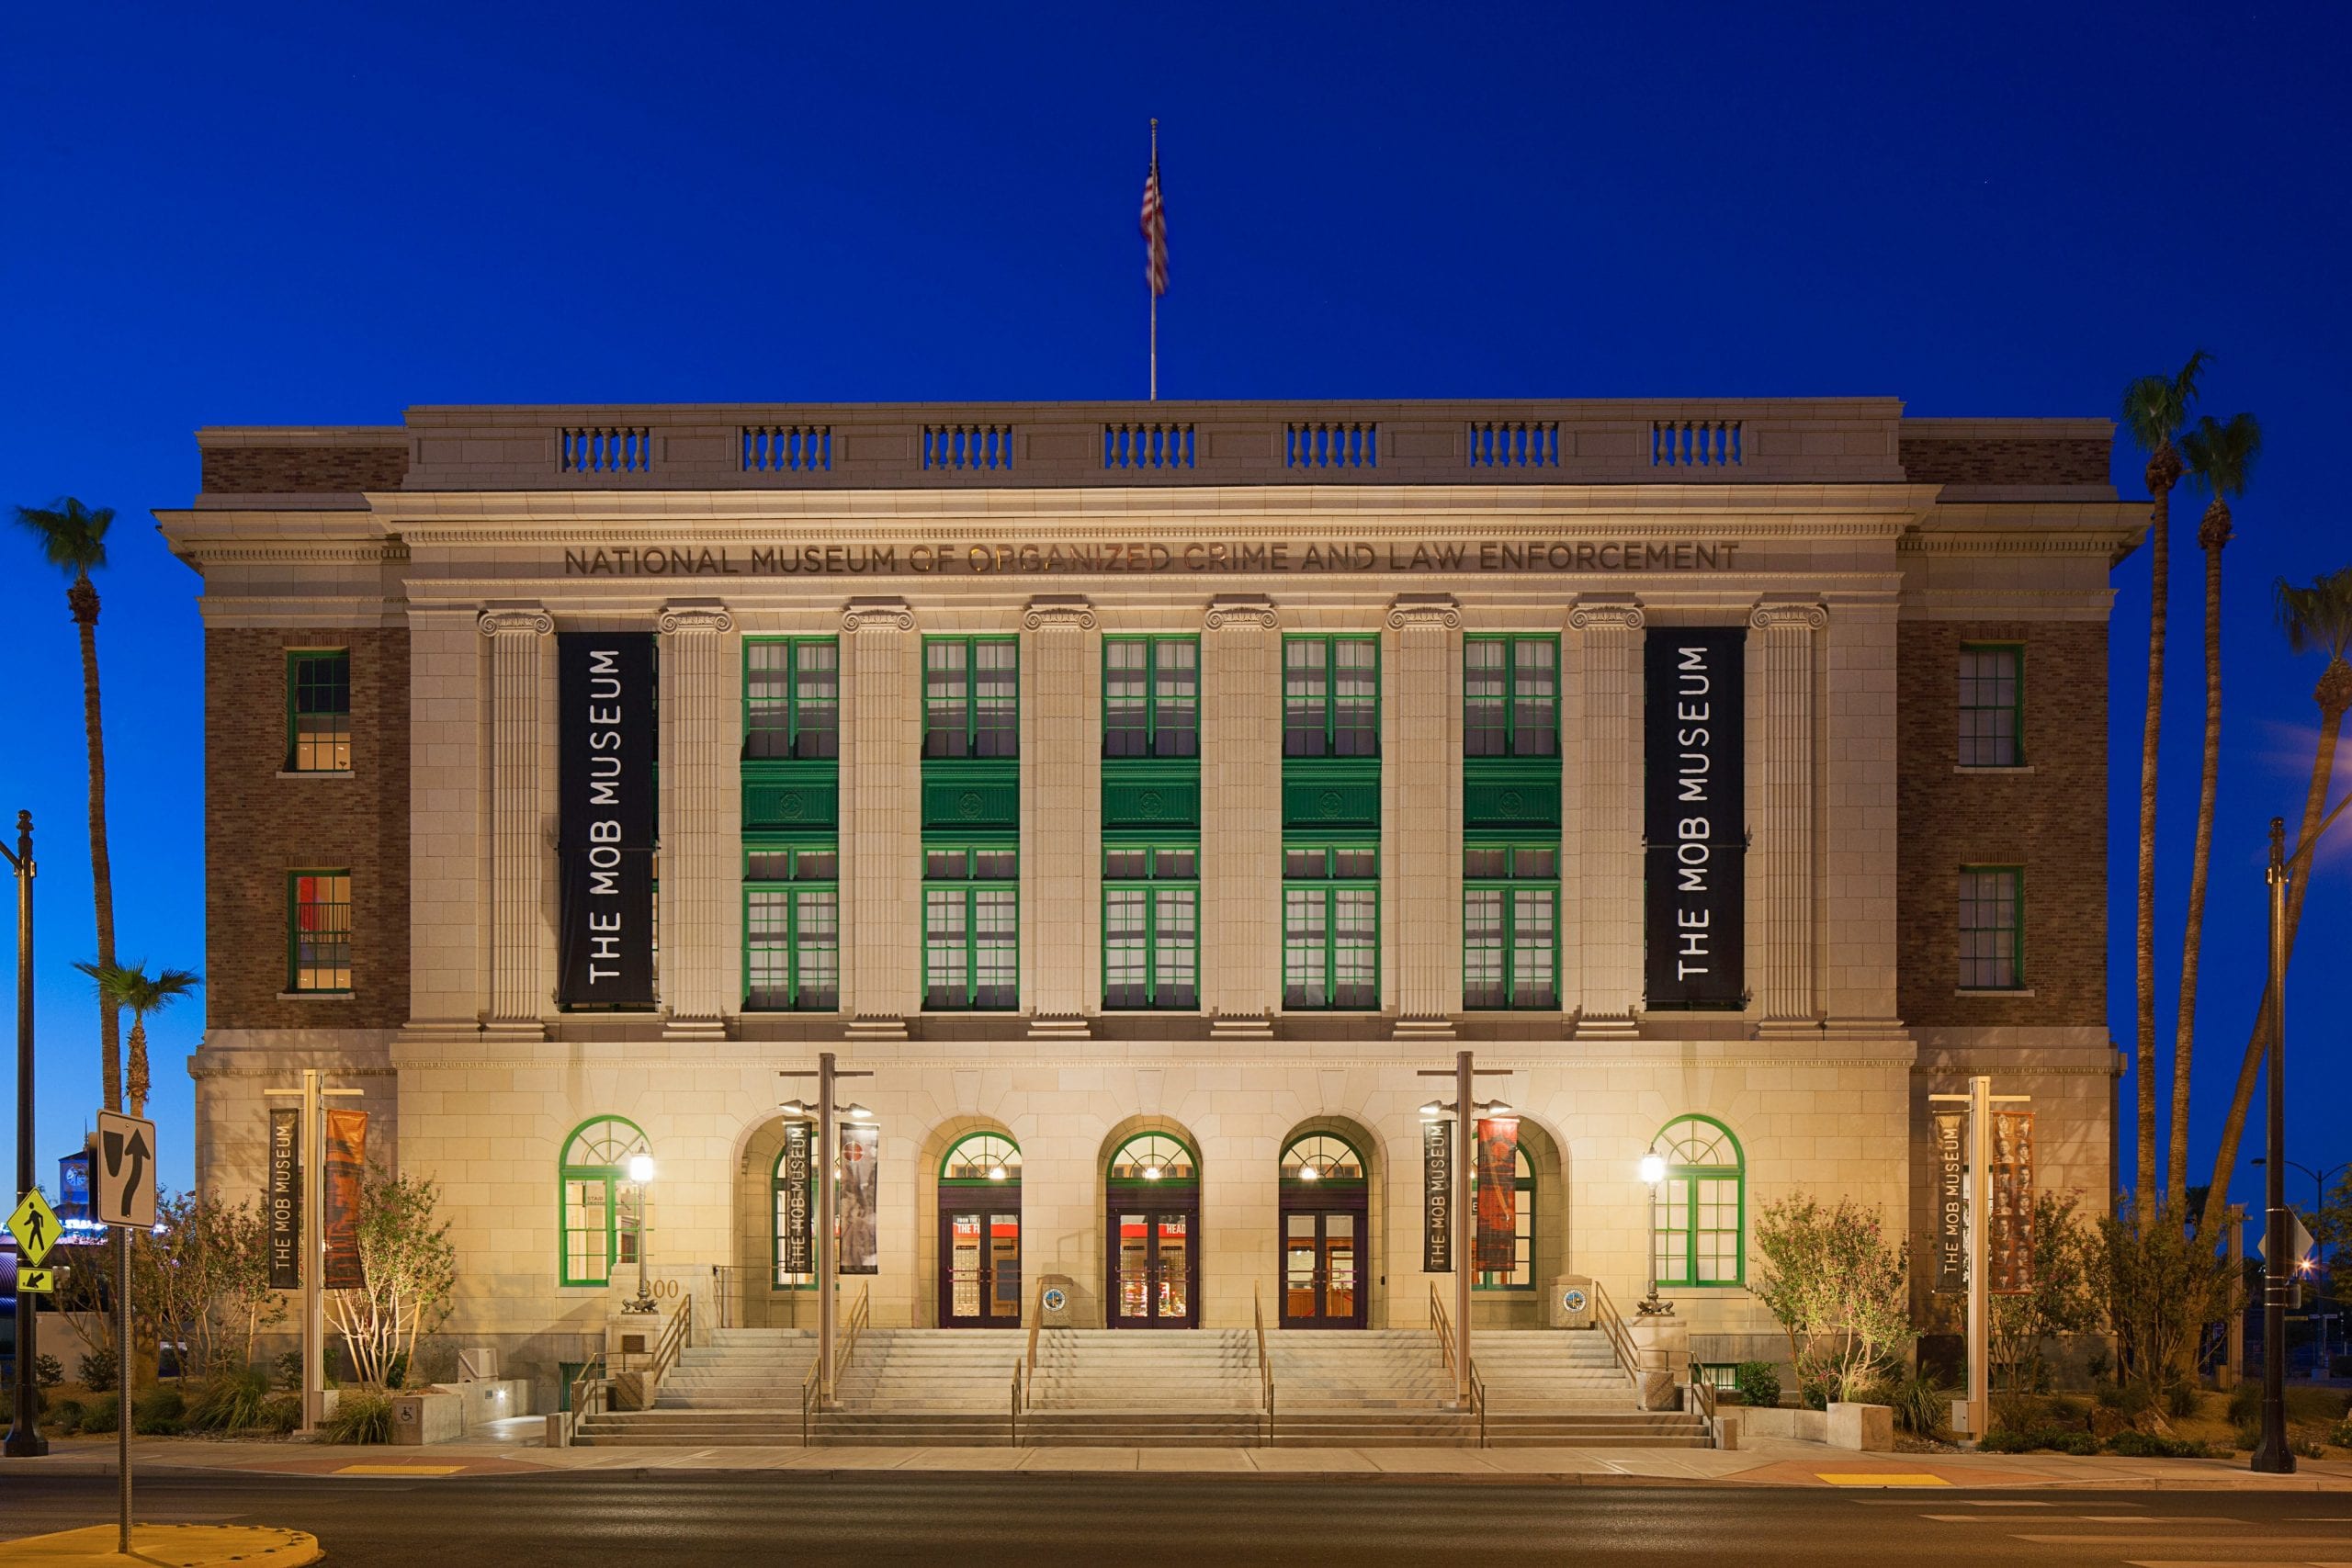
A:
1694, 827
1952, 1202
607, 823
1437, 1197
282, 1201
796, 1234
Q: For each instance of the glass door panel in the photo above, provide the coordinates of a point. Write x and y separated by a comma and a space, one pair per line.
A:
1339, 1266
1172, 1265
1299, 1259
964, 1266
1005, 1268
1135, 1268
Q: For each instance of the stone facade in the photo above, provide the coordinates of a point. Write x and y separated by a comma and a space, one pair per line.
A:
1853, 580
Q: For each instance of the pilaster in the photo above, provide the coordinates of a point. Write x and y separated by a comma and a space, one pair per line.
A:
1241, 814
701, 823
1606, 896
517, 849
1061, 809
1423, 773
1783, 810
881, 838
1859, 819
447, 984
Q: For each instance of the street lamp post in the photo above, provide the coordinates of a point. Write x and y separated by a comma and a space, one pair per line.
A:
2272, 1456
1464, 1076
640, 1173
1652, 1172
828, 1245
2319, 1201
24, 1440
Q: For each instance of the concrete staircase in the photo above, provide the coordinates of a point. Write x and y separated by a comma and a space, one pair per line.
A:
1563, 1388
742, 1387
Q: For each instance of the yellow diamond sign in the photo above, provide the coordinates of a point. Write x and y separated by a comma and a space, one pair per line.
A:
34, 1225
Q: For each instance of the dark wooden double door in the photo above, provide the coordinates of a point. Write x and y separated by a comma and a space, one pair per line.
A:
980, 1259
1323, 1257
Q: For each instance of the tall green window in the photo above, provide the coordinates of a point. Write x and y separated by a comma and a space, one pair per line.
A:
792, 928
792, 697
971, 935
1992, 927
1991, 706
1151, 937
1331, 696
1330, 927
318, 710
1151, 697
1511, 926
1510, 695
1523, 1270
318, 931
602, 1209
971, 696
1702, 1204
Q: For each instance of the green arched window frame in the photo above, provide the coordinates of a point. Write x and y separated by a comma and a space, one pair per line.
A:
1332, 1159
592, 1189
1522, 1272
1137, 1157
1702, 1237
981, 1159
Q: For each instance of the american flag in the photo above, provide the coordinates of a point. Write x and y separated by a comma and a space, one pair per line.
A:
1155, 230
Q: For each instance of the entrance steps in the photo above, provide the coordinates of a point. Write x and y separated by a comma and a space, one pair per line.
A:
741, 1368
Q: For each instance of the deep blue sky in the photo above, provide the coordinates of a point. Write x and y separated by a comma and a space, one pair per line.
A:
321, 214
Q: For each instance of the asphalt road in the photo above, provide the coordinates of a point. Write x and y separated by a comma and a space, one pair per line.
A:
681, 1521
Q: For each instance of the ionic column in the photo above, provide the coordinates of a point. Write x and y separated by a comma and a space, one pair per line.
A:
1241, 814
1061, 815
881, 811
517, 850
701, 823
1422, 773
1605, 901
1783, 817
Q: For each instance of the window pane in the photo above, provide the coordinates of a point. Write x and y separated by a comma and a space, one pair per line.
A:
1355, 862
767, 929
816, 717
1355, 718
946, 958
1482, 948
817, 954
1125, 675
1535, 691
1485, 862
945, 699
996, 978
1988, 929
321, 932
767, 865
1303, 862
1175, 948
1535, 863
767, 699
1125, 981
1482, 697
584, 1214
816, 866
1988, 707
1176, 710
996, 675
1136, 863
1530, 947
1355, 961
945, 866
1174, 864
1304, 957
321, 704
995, 865
1305, 690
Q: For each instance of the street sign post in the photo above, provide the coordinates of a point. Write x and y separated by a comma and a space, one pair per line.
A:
122, 1189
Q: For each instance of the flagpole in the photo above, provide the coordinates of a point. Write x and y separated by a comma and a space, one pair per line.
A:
1147, 287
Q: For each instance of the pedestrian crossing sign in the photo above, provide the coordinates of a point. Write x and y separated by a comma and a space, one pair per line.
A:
34, 1225
36, 1282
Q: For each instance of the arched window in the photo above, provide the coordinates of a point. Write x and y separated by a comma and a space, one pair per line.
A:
602, 1207
989, 1157
1153, 1157
1321, 1156
1523, 1270
1702, 1204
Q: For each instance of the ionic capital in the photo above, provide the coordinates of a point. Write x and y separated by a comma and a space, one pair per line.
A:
876, 614
1424, 611
514, 620
1058, 612
694, 615
1787, 615
1240, 610
1606, 614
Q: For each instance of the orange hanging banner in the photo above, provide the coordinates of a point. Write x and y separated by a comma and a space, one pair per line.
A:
1496, 1247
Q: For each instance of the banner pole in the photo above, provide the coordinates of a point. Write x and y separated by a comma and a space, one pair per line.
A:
1980, 1253
829, 1263
1464, 1239
314, 1214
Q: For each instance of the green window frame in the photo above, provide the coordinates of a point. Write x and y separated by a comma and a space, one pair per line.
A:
1992, 704
1151, 927
1511, 695
1331, 696
1331, 927
1523, 1270
1151, 697
981, 1159
971, 696
1992, 927
318, 931
1510, 927
318, 710
792, 928
792, 697
1153, 1157
599, 1210
972, 937
1702, 1229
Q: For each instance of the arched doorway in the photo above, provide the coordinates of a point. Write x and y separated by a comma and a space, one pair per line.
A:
979, 1233
1152, 1220
1326, 1218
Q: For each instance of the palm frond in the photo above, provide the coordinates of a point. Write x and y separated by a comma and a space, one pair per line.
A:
2317, 616
2219, 455
130, 986
73, 536
2155, 407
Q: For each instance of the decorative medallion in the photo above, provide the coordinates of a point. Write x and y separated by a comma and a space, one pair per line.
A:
1150, 804
967, 805
1329, 802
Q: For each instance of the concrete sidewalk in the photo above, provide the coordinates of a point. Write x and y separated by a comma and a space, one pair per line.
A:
1767, 1463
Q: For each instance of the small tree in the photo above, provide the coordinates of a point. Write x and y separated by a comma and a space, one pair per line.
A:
411, 1270
2161, 1290
2059, 1300
1836, 1285
243, 1303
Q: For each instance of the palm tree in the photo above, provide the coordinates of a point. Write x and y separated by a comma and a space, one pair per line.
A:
130, 987
2316, 619
2221, 461
2154, 410
74, 539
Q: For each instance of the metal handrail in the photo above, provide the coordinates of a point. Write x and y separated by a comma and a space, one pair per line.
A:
1478, 1399
1703, 1397
1037, 1321
588, 1389
809, 1386
1020, 1400
1621, 1342
858, 1317
674, 1335
1265, 1365
1444, 1329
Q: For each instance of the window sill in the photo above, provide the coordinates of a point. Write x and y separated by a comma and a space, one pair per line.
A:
316, 996
1992, 991
1992, 768
315, 773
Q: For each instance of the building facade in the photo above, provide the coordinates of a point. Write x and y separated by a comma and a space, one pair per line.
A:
1145, 794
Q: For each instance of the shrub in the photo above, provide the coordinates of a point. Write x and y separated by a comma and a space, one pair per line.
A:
2342, 1434
48, 1372
1816, 1393
2001, 1441
2180, 1399
2135, 1399
280, 1413
159, 1412
361, 1415
1922, 1406
229, 1399
285, 1371
2151, 1445
101, 1413
95, 1370
1757, 1383
2245, 1405
2248, 1435
2306, 1448
65, 1418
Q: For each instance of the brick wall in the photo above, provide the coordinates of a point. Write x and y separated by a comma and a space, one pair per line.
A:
259, 827
2053, 821
1990, 460
299, 470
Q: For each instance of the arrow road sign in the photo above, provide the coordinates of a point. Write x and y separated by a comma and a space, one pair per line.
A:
34, 1225
125, 1180
2298, 1243
36, 1282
